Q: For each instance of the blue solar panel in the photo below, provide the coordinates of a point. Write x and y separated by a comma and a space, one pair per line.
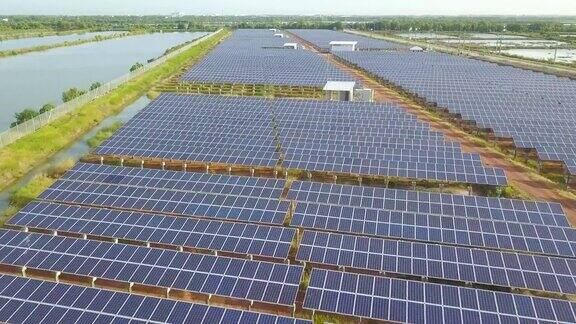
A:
512, 210
33, 301
174, 180
399, 300
206, 274
257, 57
505, 269
178, 232
536, 110
336, 137
321, 38
483, 233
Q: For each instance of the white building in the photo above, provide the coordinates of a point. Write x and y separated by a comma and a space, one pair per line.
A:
339, 90
343, 46
291, 45
278, 35
416, 49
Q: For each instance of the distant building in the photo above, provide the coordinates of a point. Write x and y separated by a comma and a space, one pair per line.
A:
5, 19
416, 49
279, 35
343, 46
291, 45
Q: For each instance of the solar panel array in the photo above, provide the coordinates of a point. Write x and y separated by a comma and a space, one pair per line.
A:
535, 109
402, 301
336, 137
456, 263
322, 38
34, 301
199, 128
161, 197
257, 57
274, 244
273, 283
187, 233
507, 244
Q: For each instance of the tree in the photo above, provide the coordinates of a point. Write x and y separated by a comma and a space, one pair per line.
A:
46, 108
23, 116
95, 86
136, 66
71, 94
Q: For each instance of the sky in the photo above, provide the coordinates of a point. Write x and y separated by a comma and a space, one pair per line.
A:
291, 7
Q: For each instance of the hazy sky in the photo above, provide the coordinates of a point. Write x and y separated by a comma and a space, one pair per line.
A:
288, 7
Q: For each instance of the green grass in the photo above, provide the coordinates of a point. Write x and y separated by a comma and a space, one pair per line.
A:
20, 157
21, 196
103, 134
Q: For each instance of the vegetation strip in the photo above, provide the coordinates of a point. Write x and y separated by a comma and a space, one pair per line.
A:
41, 48
20, 157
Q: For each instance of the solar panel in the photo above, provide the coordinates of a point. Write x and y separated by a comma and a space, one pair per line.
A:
174, 180
322, 38
311, 135
536, 110
127, 193
512, 210
257, 57
181, 232
462, 264
24, 300
399, 300
206, 274
483, 233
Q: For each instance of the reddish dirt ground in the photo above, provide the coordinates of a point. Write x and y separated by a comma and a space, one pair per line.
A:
522, 178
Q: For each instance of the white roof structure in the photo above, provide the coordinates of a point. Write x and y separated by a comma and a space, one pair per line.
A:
290, 44
416, 49
343, 43
279, 35
340, 86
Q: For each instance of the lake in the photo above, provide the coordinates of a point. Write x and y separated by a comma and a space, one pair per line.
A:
12, 44
34, 79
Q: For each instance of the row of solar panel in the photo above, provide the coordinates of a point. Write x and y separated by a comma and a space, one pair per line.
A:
211, 139
257, 57
322, 38
399, 300
273, 283
239, 238
33, 301
505, 269
497, 97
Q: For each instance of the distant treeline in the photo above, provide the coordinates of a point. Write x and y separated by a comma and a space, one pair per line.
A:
469, 25
515, 24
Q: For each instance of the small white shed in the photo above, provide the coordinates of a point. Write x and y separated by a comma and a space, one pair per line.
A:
343, 46
273, 30
291, 45
340, 90
416, 49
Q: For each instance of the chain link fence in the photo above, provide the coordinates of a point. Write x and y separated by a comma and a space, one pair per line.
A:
13, 134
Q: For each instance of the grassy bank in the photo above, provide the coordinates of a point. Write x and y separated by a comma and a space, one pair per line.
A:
103, 134
19, 34
41, 48
21, 196
20, 157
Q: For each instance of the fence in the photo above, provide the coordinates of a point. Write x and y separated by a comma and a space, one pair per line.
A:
11, 135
